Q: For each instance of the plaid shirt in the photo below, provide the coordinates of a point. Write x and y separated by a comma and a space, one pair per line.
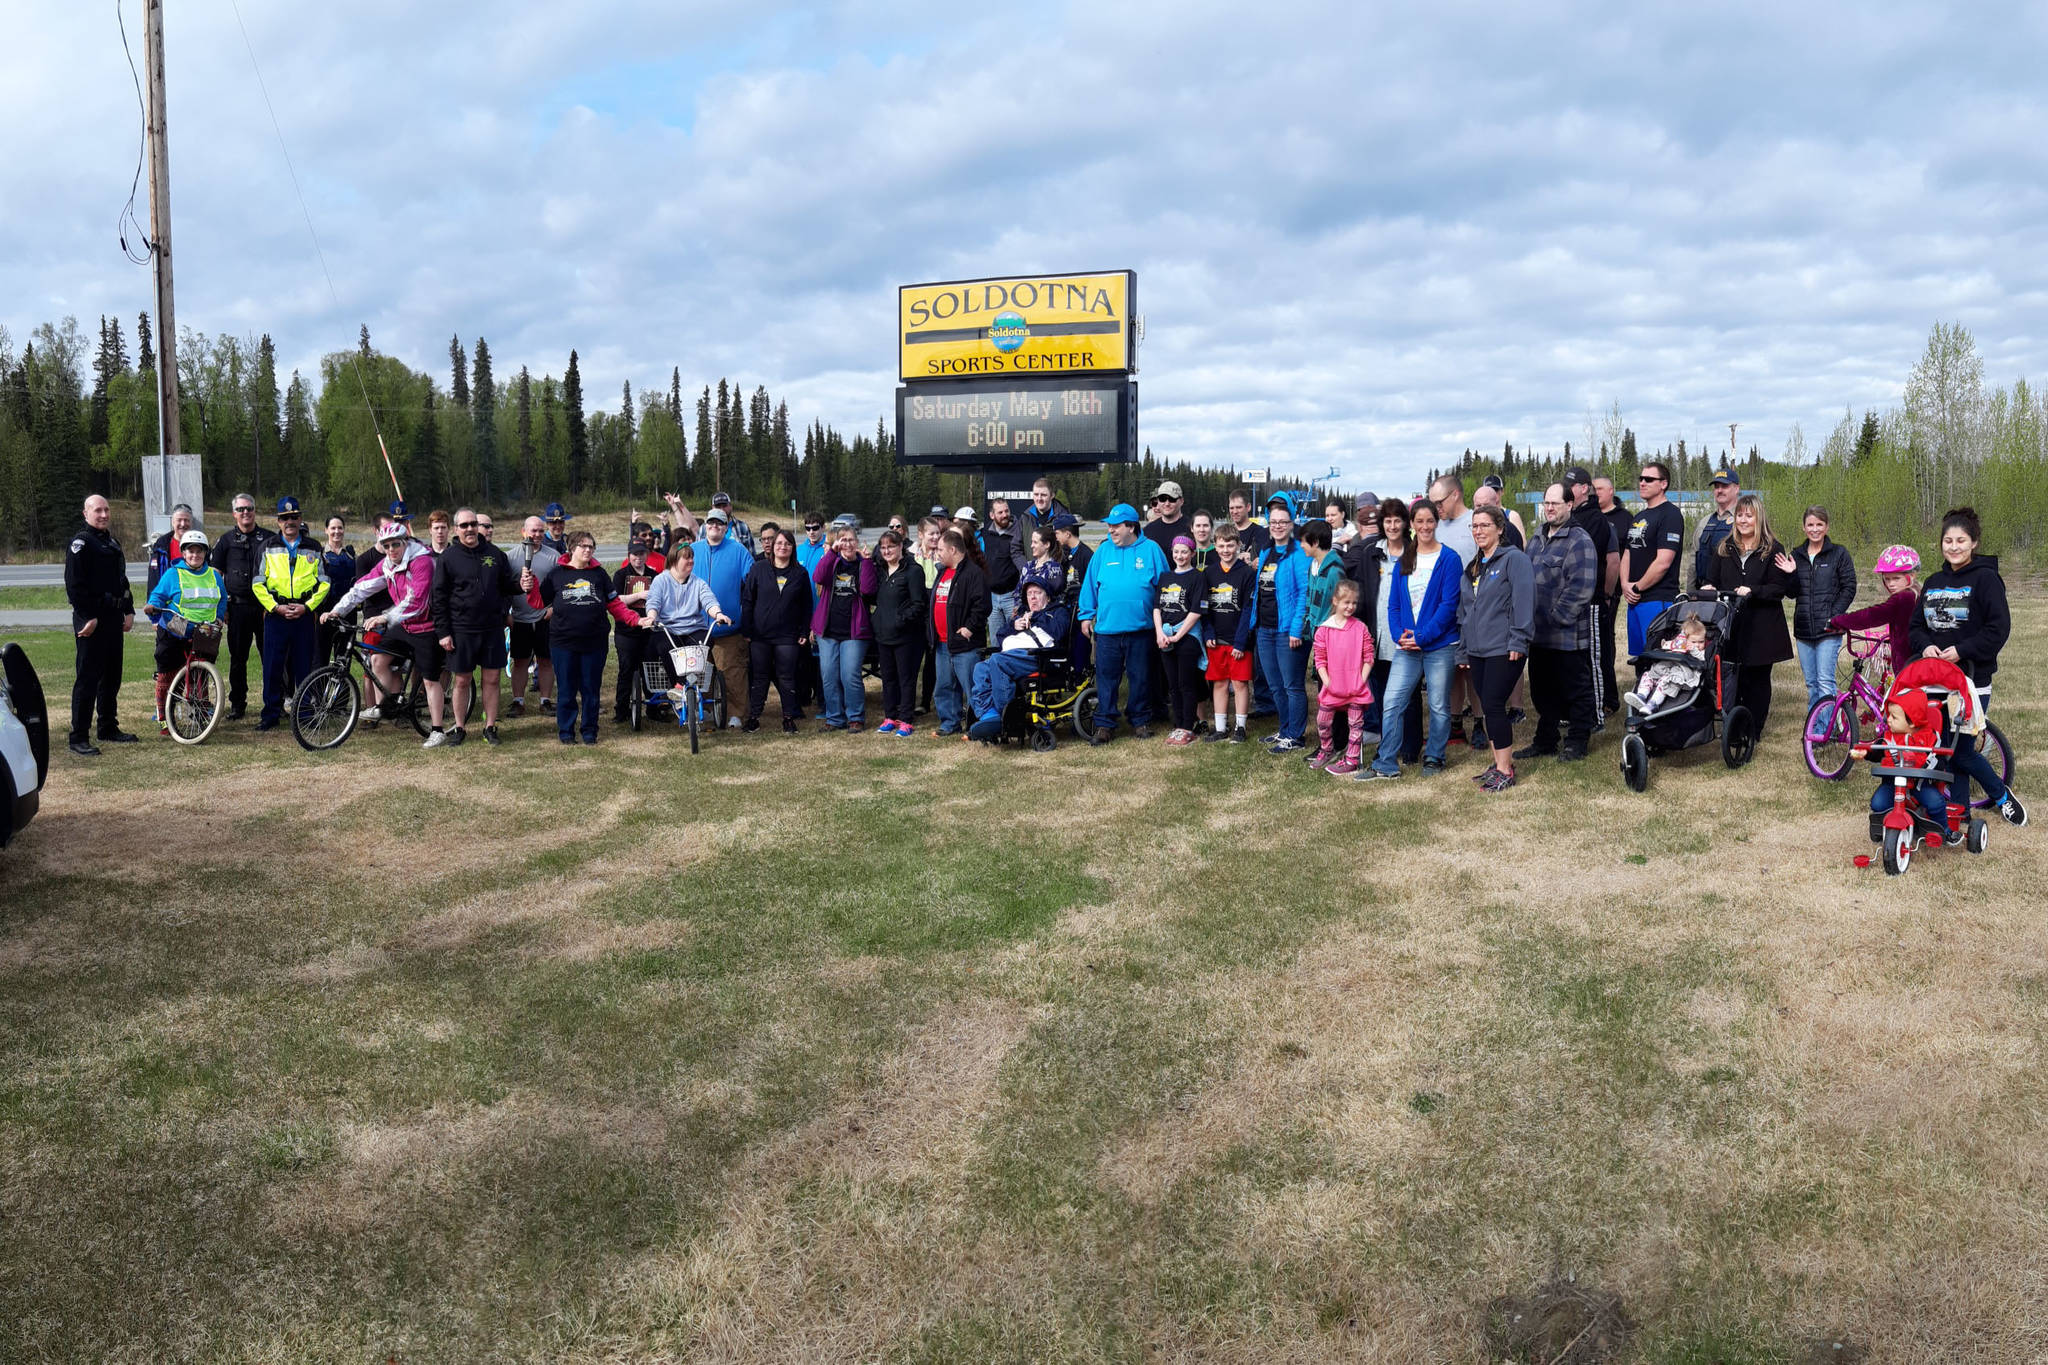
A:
1567, 572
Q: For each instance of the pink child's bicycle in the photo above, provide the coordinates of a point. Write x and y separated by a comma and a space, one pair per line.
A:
1835, 724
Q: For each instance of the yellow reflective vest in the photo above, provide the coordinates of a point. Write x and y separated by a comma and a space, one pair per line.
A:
290, 574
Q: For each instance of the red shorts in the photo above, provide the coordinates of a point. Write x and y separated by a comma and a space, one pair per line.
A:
1224, 668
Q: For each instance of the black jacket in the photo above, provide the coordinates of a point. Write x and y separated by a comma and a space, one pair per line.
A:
999, 548
1827, 588
1964, 609
901, 603
776, 615
96, 577
239, 557
472, 589
1759, 635
1362, 562
967, 608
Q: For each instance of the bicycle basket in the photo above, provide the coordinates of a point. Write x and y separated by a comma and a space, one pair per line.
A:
692, 662
656, 675
205, 641
176, 626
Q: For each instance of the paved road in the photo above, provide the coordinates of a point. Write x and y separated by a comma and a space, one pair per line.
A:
34, 620
52, 575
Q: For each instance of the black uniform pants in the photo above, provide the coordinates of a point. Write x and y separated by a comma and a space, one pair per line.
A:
1611, 620
245, 623
1561, 689
635, 647
785, 663
98, 680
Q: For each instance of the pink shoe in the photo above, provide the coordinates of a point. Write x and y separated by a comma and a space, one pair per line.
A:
1343, 767
887, 727
1322, 758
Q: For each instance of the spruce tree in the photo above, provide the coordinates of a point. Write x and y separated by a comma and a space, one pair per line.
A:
363, 342
626, 411
483, 411
266, 431
458, 380
675, 395
102, 366
300, 461
523, 396
424, 468
579, 436
1866, 439
701, 469
145, 349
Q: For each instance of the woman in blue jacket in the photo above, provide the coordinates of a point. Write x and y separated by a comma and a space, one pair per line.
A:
1422, 619
1279, 597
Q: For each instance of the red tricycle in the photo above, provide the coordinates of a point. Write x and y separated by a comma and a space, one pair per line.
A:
1929, 702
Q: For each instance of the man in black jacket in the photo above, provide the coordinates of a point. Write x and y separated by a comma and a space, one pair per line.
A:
239, 557
102, 611
1587, 516
473, 590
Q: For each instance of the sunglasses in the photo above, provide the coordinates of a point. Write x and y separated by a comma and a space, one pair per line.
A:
465, 526
1648, 478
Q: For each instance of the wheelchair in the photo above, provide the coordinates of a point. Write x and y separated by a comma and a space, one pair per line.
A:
1060, 690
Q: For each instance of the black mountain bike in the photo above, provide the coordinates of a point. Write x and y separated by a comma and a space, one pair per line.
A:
330, 701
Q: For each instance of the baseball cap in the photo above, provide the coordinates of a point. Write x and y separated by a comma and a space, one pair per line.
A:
1065, 521
939, 511
1576, 476
1123, 514
718, 514
721, 499
1167, 489
554, 511
1492, 481
1721, 475
287, 504
1365, 500
965, 514
397, 509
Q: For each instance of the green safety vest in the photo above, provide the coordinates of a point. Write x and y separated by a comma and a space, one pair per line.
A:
198, 594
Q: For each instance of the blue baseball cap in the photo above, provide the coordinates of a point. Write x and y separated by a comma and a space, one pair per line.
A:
1724, 475
397, 510
1123, 514
1065, 521
287, 504
555, 512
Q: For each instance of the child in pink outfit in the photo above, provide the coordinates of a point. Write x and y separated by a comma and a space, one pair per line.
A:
1343, 660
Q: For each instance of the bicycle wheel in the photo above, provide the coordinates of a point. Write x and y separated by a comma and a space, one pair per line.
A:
192, 705
1830, 734
325, 709
1992, 744
719, 712
693, 709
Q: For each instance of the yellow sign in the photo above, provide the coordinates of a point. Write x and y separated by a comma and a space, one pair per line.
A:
1025, 324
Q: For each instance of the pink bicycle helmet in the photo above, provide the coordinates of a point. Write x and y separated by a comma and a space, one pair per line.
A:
1898, 559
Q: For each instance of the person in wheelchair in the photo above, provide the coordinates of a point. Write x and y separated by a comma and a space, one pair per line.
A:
1021, 649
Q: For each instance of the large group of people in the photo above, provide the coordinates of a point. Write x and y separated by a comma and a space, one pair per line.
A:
1394, 626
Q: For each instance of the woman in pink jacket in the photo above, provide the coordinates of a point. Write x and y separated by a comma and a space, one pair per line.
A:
407, 573
1343, 659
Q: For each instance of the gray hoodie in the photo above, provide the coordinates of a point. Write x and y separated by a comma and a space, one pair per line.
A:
1497, 612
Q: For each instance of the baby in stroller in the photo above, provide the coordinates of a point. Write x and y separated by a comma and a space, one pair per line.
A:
1912, 736
1667, 678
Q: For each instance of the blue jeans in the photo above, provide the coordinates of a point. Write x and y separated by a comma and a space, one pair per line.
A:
955, 685
1969, 762
578, 672
1433, 670
1817, 662
995, 682
846, 697
1286, 670
1001, 607
1929, 794
1125, 655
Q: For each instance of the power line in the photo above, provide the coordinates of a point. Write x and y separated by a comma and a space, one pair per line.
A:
127, 216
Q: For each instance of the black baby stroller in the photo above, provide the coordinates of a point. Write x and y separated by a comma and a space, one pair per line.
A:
1694, 715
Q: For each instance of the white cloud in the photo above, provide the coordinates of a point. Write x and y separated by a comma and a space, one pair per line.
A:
1363, 237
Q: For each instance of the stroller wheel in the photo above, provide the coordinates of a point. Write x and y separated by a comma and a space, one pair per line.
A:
1043, 742
1978, 835
1898, 851
1738, 737
1635, 763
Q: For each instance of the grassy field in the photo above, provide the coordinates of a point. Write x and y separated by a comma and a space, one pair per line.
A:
847, 1048
50, 598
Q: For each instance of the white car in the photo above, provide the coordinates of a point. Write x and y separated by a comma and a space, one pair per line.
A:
24, 741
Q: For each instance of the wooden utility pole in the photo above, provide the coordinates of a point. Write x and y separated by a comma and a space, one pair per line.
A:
169, 441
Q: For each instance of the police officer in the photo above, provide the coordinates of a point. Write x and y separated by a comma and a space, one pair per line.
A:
102, 611
238, 556
290, 586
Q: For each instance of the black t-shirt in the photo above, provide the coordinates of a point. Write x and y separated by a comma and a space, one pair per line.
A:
1653, 529
1180, 595
845, 590
1618, 519
627, 579
1162, 533
578, 597
1224, 592
1513, 536
1587, 518
1266, 616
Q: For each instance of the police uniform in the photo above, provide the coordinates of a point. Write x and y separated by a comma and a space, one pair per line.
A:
96, 584
288, 572
238, 555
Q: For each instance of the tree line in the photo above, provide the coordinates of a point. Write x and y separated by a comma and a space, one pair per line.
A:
75, 419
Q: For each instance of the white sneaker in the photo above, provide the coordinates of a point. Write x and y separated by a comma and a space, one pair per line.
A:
732, 723
373, 715
435, 739
1634, 702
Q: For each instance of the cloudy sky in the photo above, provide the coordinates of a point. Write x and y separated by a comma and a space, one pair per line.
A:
1365, 235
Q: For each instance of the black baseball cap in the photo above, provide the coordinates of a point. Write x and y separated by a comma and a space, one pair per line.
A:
1577, 475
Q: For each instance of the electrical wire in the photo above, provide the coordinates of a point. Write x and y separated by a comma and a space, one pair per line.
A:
127, 218
307, 213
